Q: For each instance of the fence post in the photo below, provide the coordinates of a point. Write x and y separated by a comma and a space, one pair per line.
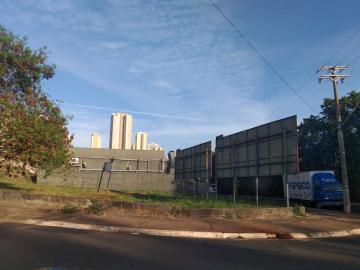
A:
285, 169
257, 191
108, 183
234, 189
98, 188
207, 189
216, 188
257, 168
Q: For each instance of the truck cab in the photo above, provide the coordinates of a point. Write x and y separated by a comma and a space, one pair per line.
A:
327, 189
319, 188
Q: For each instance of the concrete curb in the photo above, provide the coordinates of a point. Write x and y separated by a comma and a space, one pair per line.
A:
189, 234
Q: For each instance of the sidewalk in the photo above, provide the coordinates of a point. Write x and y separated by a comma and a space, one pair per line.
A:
315, 222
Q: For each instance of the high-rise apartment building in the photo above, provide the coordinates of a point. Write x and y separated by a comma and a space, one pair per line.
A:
141, 141
120, 131
95, 140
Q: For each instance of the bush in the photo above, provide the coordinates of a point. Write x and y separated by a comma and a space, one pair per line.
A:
298, 211
96, 207
69, 208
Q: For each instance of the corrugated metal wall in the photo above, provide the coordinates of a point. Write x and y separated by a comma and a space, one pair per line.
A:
259, 151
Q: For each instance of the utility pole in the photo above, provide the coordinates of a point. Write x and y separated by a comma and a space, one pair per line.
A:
334, 76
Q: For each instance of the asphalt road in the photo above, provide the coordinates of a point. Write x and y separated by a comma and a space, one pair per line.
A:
31, 247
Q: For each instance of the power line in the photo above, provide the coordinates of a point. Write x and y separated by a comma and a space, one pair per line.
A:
344, 45
334, 55
290, 104
310, 94
349, 53
357, 31
354, 61
257, 52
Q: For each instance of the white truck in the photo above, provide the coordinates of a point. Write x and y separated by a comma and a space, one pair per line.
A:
319, 188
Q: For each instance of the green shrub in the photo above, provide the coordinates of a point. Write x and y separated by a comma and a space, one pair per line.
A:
96, 207
297, 211
69, 208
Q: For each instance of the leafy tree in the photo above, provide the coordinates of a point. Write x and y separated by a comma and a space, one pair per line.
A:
33, 131
319, 145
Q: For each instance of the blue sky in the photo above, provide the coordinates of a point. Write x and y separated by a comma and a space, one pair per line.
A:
179, 68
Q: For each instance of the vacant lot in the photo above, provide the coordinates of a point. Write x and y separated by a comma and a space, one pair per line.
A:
25, 185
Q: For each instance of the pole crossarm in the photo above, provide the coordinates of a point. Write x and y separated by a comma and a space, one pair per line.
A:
334, 77
333, 73
340, 68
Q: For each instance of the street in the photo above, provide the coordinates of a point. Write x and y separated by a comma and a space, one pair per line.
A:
31, 247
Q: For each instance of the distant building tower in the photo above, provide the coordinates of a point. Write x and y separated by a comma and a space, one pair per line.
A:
95, 140
141, 141
120, 131
154, 147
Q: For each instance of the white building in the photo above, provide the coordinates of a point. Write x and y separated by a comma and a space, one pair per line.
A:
141, 141
95, 140
154, 147
120, 131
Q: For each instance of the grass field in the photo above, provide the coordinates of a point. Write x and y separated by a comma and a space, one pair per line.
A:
25, 185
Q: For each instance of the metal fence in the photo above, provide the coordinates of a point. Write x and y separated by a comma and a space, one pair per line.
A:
264, 151
250, 163
192, 187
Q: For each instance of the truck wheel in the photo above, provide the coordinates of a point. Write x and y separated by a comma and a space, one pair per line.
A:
318, 205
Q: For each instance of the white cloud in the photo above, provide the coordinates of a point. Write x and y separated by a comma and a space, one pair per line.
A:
114, 45
134, 112
171, 60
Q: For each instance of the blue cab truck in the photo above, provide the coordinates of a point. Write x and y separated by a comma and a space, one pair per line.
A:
316, 188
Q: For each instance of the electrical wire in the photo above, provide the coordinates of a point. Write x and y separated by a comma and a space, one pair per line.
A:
344, 45
349, 53
311, 94
353, 35
260, 55
354, 61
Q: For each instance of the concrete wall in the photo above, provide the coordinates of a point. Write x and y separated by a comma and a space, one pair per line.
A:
120, 181
135, 171
117, 153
